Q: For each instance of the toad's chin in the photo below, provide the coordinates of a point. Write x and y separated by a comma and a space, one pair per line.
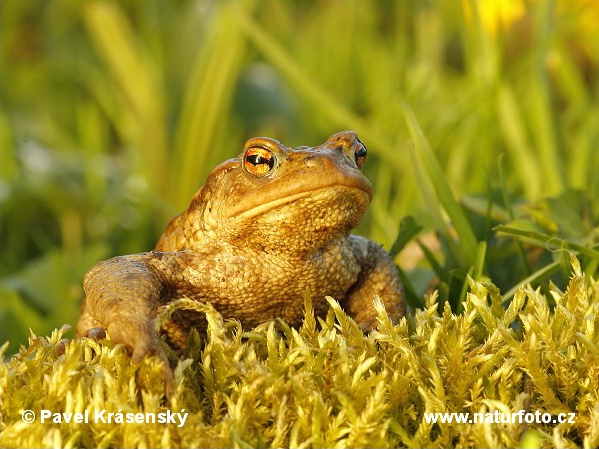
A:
326, 212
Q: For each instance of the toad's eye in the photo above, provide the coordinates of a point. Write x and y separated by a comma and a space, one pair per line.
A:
259, 161
360, 154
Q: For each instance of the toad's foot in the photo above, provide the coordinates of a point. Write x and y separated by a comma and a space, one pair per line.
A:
142, 348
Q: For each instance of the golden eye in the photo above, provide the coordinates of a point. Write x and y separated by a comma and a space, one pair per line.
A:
360, 154
259, 161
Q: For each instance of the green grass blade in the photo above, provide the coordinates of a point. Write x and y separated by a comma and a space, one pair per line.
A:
431, 259
543, 273
137, 77
479, 265
548, 241
513, 130
544, 122
311, 89
281, 59
408, 228
413, 298
507, 205
206, 101
425, 156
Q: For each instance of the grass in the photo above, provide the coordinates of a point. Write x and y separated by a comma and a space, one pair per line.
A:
479, 118
113, 115
328, 385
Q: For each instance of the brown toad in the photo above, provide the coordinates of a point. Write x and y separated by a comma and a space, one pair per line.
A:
267, 229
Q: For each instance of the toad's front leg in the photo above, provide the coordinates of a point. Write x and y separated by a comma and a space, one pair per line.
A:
122, 295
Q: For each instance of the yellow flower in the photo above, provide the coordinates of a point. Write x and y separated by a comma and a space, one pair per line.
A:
496, 15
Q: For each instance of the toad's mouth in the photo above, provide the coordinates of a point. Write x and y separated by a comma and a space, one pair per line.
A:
333, 196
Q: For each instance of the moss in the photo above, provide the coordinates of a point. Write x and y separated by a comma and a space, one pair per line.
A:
328, 385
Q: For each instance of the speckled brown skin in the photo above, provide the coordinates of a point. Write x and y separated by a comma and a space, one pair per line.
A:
255, 241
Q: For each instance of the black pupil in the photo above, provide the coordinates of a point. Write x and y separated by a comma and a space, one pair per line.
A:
361, 152
256, 159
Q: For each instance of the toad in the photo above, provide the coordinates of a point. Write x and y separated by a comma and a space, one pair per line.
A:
268, 228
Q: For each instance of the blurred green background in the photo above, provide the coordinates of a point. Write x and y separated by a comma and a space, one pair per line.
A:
476, 113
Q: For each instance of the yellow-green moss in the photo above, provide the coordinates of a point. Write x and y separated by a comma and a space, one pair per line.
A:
329, 385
